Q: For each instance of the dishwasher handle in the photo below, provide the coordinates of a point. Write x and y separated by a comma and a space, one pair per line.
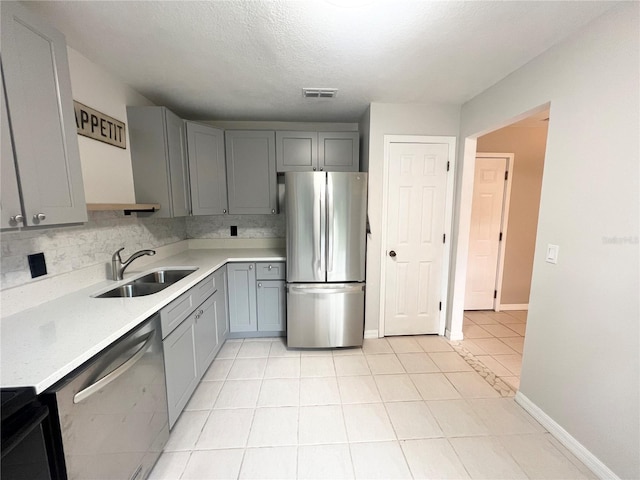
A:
112, 376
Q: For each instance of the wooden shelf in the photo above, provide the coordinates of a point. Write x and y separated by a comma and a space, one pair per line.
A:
127, 208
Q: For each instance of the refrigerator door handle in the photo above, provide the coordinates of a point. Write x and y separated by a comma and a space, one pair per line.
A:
324, 290
330, 225
321, 187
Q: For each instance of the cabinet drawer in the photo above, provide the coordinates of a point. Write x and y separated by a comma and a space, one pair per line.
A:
270, 271
204, 289
173, 314
176, 312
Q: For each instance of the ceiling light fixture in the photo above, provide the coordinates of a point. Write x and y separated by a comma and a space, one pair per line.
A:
319, 92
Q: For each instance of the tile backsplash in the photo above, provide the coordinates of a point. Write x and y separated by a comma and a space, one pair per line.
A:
72, 248
75, 247
249, 226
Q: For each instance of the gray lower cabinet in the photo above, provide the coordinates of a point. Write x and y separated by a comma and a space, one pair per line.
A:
207, 170
271, 306
317, 151
180, 367
257, 300
42, 130
242, 297
251, 171
194, 327
159, 160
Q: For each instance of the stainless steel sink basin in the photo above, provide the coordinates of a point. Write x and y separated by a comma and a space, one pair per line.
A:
164, 276
134, 290
148, 284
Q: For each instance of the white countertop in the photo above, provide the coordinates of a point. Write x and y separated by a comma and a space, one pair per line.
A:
41, 345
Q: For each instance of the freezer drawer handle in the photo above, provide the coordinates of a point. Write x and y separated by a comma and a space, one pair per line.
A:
349, 289
107, 379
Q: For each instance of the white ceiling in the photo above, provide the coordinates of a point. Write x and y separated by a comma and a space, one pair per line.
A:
249, 60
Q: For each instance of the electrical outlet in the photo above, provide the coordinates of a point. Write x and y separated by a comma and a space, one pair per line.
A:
234, 231
37, 265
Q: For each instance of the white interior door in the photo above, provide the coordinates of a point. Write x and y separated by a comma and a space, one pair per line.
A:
484, 237
415, 237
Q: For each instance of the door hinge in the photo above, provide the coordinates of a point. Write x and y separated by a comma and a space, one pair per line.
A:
448, 165
506, 174
440, 307
500, 237
495, 294
444, 237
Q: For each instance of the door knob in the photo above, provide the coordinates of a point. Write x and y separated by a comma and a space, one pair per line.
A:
392, 253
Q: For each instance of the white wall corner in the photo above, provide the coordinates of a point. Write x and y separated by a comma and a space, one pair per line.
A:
453, 336
566, 439
371, 333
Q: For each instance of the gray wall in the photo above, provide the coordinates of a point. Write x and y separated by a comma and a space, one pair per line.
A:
581, 361
394, 119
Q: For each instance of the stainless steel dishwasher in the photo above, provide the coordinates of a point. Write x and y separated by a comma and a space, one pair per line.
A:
112, 411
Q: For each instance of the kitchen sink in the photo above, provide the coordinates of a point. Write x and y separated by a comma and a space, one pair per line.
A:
164, 276
134, 290
148, 284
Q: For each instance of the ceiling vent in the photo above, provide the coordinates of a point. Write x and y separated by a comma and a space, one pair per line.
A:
319, 92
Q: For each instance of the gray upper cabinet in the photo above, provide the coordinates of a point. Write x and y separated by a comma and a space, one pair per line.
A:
10, 208
317, 151
339, 151
251, 172
42, 124
207, 170
296, 151
159, 161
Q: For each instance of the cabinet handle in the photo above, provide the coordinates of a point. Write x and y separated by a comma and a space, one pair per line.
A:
321, 169
17, 219
314, 169
224, 210
273, 210
200, 312
270, 267
250, 267
38, 217
259, 285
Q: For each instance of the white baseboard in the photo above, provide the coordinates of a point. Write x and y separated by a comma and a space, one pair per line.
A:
565, 438
371, 333
514, 306
453, 336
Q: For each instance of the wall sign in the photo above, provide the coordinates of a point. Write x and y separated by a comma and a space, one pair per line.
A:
93, 124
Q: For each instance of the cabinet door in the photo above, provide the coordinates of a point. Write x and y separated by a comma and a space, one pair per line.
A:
38, 89
220, 302
251, 171
207, 171
9, 195
339, 152
271, 306
206, 339
296, 151
158, 160
179, 176
180, 367
241, 279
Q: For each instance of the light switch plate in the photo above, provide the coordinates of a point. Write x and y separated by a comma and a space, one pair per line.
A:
552, 253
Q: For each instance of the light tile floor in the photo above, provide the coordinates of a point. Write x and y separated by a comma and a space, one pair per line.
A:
497, 339
403, 407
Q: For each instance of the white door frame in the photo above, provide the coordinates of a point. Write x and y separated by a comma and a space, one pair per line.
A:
510, 158
448, 216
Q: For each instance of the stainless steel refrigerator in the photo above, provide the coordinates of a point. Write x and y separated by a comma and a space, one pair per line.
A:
326, 214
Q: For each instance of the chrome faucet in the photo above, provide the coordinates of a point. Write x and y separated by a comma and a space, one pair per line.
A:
118, 266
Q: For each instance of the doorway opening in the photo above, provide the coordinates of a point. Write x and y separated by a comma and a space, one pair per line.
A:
504, 219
